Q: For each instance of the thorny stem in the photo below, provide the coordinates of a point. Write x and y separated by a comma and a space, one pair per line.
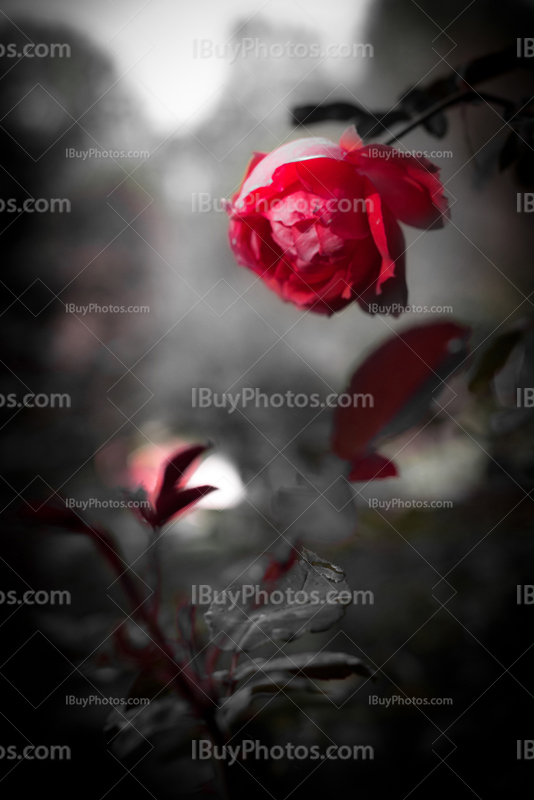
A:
185, 681
460, 96
155, 565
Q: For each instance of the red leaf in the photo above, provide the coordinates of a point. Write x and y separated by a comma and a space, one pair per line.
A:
56, 516
174, 476
371, 468
401, 377
180, 501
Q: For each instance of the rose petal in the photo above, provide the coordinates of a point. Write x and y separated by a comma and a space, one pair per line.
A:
408, 184
350, 140
387, 236
306, 241
298, 150
252, 164
253, 244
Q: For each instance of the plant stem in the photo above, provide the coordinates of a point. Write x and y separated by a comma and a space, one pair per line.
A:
185, 681
460, 96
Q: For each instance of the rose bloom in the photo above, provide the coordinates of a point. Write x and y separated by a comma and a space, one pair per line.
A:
319, 222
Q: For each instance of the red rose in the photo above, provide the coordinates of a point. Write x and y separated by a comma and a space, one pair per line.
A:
318, 221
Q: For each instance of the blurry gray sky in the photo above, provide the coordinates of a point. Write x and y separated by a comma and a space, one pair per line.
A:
153, 41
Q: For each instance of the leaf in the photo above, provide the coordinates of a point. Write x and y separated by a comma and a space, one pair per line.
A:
323, 666
366, 122
281, 682
437, 125
233, 706
277, 683
174, 472
180, 500
511, 382
401, 377
375, 465
494, 358
487, 160
134, 729
418, 100
55, 515
172, 497
321, 587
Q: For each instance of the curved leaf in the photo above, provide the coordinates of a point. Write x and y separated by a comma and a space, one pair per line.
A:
494, 358
238, 624
401, 376
324, 666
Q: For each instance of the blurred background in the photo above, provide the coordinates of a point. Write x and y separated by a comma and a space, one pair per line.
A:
445, 622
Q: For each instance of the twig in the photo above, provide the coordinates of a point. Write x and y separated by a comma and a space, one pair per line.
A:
462, 96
